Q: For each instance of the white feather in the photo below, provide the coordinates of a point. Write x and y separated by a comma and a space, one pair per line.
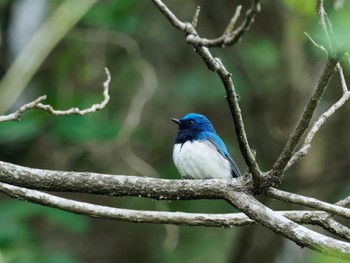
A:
200, 160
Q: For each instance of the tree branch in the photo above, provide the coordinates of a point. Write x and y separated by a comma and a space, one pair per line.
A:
36, 104
231, 190
34, 53
119, 185
283, 226
333, 58
308, 201
77, 111
16, 116
279, 167
155, 217
304, 149
230, 36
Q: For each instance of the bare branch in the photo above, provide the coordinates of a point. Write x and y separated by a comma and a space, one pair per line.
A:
195, 17
36, 104
308, 201
118, 185
344, 202
230, 36
335, 228
321, 120
178, 218
283, 226
170, 15
304, 122
77, 111
342, 79
230, 27
156, 217
17, 115
322, 18
316, 44
39, 46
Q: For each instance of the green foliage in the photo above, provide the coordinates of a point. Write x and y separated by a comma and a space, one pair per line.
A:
30, 125
261, 53
303, 7
320, 258
18, 242
194, 82
114, 14
77, 129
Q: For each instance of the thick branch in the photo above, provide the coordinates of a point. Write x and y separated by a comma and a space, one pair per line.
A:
283, 226
118, 185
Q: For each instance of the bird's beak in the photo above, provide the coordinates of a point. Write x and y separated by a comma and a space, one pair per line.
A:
176, 120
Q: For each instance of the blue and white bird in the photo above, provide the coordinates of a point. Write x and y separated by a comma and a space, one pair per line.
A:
199, 153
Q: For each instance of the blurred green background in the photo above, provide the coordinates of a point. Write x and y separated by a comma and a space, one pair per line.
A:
156, 76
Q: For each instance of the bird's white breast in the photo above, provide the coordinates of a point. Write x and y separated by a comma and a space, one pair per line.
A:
200, 160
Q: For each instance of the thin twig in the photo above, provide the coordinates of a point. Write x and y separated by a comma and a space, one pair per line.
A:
229, 36
231, 25
316, 44
66, 15
77, 111
36, 104
322, 18
195, 17
17, 115
344, 202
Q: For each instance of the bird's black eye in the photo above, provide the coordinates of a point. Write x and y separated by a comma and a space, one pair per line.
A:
191, 122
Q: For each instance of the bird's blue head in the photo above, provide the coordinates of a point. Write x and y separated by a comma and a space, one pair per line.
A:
191, 126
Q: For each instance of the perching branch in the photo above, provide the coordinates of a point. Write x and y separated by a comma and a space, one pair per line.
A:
121, 185
154, 188
36, 104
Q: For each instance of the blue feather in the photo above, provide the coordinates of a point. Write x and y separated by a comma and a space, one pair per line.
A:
195, 127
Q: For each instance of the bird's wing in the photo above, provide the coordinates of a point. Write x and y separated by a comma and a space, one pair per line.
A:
222, 149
